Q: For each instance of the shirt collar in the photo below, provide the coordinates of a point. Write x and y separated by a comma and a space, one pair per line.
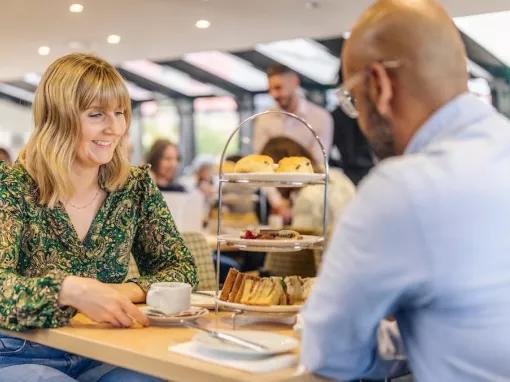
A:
457, 113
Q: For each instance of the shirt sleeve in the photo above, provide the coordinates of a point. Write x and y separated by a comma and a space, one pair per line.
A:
158, 248
25, 302
374, 267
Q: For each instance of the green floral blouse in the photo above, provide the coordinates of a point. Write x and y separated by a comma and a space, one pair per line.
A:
39, 246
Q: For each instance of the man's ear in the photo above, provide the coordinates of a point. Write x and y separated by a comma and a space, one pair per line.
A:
380, 89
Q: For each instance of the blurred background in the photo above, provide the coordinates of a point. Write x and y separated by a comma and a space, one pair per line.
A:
195, 68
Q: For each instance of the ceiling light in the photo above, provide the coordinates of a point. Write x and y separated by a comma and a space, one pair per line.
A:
76, 8
43, 50
312, 4
113, 39
203, 24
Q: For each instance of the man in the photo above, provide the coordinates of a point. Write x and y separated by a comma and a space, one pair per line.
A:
426, 239
283, 85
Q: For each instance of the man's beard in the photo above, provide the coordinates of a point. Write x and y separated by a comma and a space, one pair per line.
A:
284, 103
380, 136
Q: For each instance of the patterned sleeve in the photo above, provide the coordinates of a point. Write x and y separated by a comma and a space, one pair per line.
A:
158, 248
25, 302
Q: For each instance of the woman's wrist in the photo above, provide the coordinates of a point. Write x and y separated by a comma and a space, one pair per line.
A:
69, 290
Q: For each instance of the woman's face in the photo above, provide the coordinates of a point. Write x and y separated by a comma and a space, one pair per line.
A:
100, 133
168, 164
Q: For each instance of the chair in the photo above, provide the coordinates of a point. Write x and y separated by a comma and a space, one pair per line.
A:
197, 244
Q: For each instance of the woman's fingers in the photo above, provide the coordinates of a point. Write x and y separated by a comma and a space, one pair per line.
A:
135, 313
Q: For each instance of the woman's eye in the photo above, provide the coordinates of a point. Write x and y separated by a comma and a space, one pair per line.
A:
119, 113
95, 115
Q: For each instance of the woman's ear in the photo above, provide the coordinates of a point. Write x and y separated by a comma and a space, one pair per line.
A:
380, 89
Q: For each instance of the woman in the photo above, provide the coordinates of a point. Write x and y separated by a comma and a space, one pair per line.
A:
164, 159
71, 212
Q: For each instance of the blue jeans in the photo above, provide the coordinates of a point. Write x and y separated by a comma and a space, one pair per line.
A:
25, 361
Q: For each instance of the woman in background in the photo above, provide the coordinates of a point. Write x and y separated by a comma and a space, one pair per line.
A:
164, 158
72, 211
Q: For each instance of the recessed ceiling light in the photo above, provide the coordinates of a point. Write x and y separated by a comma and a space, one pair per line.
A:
76, 8
43, 50
312, 4
203, 24
113, 39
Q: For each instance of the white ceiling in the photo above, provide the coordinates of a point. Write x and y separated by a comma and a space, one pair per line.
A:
165, 29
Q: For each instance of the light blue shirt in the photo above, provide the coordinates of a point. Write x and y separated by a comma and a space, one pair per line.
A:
426, 239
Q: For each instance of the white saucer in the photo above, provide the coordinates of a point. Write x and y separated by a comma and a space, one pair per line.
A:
203, 301
275, 343
191, 314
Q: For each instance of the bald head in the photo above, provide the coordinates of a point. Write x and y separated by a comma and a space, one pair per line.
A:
422, 36
428, 69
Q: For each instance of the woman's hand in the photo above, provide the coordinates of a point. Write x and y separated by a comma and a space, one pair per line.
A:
132, 291
100, 302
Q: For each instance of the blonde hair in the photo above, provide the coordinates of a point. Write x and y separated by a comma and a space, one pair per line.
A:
70, 85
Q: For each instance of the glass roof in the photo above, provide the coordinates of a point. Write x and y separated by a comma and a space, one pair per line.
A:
230, 68
490, 30
138, 93
305, 56
171, 78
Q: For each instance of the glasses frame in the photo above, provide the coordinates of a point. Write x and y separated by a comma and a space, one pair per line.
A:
345, 99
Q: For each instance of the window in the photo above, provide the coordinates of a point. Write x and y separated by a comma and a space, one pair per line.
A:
215, 119
230, 68
305, 56
159, 119
488, 30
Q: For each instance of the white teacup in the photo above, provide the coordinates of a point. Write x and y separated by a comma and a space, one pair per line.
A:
169, 297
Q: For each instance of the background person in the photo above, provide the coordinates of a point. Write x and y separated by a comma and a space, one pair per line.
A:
164, 158
306, 209
283, 85
73, 211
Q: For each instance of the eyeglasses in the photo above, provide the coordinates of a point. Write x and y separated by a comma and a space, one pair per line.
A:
345, 99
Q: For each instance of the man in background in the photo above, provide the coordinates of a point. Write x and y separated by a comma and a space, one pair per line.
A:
283, 85
426, 239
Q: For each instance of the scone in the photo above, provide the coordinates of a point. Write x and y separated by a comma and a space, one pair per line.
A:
255, 163
229, 166
295, 164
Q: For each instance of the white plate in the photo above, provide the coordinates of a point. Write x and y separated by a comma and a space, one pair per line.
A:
276, 343
306, 241
203, 301
260, 308
275, 177
174, 319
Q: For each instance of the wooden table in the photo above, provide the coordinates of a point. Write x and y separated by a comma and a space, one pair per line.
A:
146, 349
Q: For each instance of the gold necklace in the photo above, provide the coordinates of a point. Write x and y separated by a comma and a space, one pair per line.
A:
86, 205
